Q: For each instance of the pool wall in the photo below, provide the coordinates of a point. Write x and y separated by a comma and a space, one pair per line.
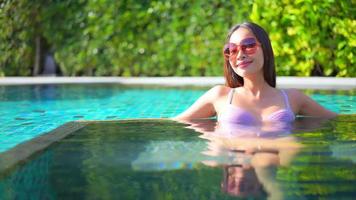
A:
26, 149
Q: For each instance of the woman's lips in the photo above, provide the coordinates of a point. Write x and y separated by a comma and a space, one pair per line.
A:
244, 64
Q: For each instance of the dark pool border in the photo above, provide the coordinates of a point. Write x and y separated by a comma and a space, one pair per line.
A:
323, 83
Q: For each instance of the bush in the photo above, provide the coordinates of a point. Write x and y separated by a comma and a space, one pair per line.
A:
172, 38
310, 37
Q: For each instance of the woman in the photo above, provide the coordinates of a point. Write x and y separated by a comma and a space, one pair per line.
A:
250, 95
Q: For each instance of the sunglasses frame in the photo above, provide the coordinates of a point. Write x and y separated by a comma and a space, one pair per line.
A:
243, 46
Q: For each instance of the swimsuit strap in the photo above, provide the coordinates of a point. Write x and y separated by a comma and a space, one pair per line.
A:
286, 101
230, 95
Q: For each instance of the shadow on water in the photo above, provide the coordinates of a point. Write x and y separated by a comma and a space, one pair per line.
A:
152, 159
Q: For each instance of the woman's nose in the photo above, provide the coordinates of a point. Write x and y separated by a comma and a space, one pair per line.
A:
241, 55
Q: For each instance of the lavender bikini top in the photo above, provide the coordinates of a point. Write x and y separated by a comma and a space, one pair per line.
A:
235, 114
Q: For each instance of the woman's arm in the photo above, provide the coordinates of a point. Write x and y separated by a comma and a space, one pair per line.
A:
203, 107
308, 107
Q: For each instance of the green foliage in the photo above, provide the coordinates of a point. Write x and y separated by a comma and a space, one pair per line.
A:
158, 38
181, 38
309, 35
18, 24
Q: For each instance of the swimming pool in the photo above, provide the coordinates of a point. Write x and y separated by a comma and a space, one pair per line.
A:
30, 110
162, 159
153, 159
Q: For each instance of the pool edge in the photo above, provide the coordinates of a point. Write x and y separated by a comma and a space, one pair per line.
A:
324, 83
24, 150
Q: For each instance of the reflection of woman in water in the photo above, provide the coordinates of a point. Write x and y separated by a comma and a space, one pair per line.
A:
241, 181
249, 155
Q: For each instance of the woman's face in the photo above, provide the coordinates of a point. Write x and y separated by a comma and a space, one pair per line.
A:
246, 62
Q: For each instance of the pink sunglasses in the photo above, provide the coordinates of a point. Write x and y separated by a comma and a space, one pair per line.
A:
247, 46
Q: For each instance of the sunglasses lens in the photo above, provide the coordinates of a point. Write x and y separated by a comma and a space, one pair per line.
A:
249, 48
233, 49
230, 49
249, 45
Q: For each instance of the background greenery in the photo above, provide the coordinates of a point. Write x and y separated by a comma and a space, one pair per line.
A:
172, 37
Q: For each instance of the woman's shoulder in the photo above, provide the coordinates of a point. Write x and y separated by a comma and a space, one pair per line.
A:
296, 97
219, 90
294, 93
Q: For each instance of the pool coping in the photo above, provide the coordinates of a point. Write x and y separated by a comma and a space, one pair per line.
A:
327, 83
24, 150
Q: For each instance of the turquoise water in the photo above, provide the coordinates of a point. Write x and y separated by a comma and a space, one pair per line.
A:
29, 111
162, 159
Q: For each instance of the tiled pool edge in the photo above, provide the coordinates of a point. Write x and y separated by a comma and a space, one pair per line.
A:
23, 150
329, 83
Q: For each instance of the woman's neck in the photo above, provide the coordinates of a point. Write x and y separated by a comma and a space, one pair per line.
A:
256, 86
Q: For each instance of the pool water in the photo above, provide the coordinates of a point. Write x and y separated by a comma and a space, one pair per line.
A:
29, 111
162, 159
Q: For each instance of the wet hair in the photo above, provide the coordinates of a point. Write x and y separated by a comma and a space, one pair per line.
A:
232, 79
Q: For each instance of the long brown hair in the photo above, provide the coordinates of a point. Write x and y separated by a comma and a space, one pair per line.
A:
232, 79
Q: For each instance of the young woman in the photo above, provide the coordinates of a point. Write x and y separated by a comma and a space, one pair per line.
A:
250, 95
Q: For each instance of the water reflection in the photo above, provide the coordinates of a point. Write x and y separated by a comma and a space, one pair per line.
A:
250, 155
157, 159
242, 181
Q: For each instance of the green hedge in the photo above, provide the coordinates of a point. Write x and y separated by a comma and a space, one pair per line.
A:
172, 37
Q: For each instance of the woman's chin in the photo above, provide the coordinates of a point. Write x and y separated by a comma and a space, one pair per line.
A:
246, 72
